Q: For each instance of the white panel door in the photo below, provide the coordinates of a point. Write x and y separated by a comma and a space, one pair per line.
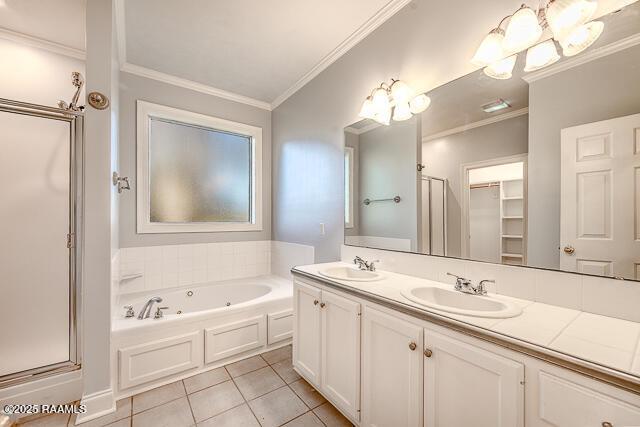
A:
306, 331
600, 217
467, 386
391, 371
340, 345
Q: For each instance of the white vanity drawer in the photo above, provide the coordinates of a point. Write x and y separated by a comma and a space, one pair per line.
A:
279, 326
566, 404
158, 359
235, 338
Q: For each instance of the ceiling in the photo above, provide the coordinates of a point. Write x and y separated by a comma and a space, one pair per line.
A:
254, 48
58, 21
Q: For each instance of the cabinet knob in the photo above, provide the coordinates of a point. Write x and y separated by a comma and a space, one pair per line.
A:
412, 346
427, 352
315, 302
322, 305
606, 424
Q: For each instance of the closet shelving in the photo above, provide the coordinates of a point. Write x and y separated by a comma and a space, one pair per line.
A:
512, 238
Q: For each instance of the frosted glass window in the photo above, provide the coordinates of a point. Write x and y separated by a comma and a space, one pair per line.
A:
198, 174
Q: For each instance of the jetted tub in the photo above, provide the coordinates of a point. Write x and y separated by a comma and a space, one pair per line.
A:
204, 326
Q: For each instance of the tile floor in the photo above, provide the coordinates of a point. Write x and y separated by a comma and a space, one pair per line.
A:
258, 391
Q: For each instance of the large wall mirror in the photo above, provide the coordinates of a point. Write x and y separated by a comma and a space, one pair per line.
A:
541, 169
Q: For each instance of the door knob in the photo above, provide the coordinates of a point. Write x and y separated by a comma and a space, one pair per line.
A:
427, 352
412, 346
569, 250
607, 424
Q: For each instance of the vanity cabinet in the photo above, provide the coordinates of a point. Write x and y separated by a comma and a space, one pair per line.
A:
467, 386
326, 350
391, 370
401, 371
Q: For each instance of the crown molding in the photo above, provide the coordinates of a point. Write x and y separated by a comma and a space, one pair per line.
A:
39, 43
583, 58
356, 37
480, 123
189, 84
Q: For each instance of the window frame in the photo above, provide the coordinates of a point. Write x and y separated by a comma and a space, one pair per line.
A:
349, 154
146, 111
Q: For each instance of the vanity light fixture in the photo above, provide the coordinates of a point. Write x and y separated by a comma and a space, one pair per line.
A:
567, 20
502, 69
523, 30
395, 100
541, 55
581, 38
492, 107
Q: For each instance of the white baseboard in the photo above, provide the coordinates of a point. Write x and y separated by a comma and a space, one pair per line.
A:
98, 404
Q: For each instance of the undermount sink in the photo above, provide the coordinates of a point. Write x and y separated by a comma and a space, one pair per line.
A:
453, 301
351, 274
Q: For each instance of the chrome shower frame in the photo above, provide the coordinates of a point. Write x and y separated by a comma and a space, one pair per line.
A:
75, 119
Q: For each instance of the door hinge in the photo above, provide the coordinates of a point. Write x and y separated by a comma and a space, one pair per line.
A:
71, 240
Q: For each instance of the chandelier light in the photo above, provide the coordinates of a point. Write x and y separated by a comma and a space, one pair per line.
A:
395, 100
568, 21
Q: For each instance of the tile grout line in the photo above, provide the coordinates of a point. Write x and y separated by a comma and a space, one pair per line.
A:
564, 328
193, 416
246, 402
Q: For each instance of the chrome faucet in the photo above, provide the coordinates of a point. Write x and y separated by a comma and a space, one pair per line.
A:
465, 286
146, 308
365, 265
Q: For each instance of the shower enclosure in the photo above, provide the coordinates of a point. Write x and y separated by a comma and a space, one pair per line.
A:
40, 217
434, 215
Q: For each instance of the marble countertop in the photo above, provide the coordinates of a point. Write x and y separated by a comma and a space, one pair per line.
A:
606, 341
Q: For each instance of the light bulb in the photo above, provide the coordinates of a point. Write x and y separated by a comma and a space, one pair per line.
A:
383, 117
400, 91
380, 100
490, 50
564, 16
541, 55
501, 70
419, 103
581, 38
523, 30
368, 110
401, 112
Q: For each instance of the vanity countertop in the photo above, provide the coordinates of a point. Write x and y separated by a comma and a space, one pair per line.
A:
611, 344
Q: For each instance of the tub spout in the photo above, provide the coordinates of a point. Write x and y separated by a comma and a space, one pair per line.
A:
146, 308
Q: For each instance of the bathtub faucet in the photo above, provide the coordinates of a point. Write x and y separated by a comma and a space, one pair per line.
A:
146, 308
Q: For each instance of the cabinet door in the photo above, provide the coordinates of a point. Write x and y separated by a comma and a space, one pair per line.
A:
340, 369
469, 386
306, 333
391, 371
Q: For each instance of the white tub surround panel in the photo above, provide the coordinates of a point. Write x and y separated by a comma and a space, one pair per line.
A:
162, 267
285, 255
598, 295
598, 341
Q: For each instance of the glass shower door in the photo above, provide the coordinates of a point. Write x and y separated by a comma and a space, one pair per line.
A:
37, 250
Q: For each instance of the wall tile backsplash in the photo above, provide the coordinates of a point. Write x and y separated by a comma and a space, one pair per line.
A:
158, 267
599, 295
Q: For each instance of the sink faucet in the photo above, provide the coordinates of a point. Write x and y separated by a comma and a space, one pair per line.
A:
465, 286
146, 308
365, 265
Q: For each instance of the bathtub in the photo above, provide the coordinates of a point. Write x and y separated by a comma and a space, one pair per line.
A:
204, 326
